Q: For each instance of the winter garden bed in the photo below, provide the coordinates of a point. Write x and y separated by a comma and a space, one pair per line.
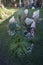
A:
16, 48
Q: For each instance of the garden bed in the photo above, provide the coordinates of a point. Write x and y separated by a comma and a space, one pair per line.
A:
10, 47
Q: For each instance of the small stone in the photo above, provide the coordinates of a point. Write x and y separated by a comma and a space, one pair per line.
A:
33, 7
28, 21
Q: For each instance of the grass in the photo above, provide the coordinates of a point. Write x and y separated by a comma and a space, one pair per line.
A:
7, 42
6, 13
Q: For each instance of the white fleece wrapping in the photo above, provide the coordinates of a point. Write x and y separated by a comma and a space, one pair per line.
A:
36, 14
26, 11
12, 20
